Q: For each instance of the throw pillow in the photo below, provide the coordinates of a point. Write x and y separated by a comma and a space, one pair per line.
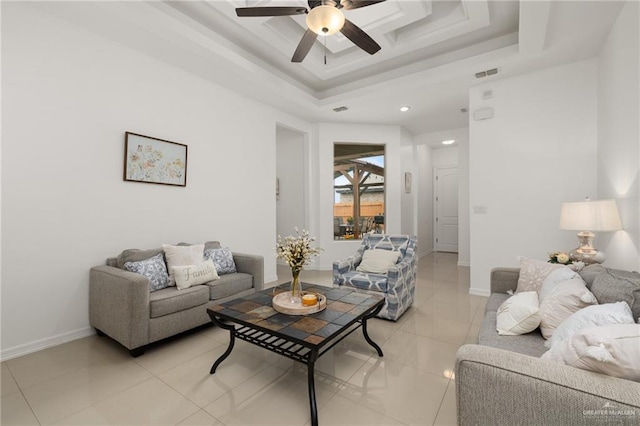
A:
136, 255
608, 349
614, 285
153, 268
182, 256
561, 300
590, 272
533, 273
378, 261
223, 260
207, 245
553, 279
519, 314
591, 316
189, 275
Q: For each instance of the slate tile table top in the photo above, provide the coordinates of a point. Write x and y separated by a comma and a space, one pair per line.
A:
301, 338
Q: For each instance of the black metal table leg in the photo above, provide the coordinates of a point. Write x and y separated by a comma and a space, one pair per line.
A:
313, 356
366, 334
232, 341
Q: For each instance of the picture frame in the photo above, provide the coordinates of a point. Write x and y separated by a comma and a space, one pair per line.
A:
407, 182
152, 160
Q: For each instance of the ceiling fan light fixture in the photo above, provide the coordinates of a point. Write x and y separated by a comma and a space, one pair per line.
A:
325, 20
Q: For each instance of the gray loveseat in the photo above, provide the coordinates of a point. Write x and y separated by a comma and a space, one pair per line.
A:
122, 307
502, 381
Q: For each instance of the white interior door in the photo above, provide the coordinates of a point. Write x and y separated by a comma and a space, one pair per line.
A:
446, 209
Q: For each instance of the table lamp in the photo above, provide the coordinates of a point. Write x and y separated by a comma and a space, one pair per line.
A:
588, 216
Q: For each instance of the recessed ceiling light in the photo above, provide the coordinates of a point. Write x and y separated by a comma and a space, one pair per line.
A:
449, 142
405, 108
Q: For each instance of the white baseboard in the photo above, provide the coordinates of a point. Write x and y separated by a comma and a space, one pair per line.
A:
467, 264
270, 279
48, 342
479, 292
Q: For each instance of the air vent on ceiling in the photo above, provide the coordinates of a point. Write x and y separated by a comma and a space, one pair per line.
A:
487, 73
340, 109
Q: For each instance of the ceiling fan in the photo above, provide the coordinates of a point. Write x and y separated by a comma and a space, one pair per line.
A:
324, 17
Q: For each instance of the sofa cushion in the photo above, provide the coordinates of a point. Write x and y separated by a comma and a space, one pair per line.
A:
531, 344
608, 349
136, 255
182, 256
222, 259
364, 281
190, 275
207, 245
553, 279
533, 273
614, 285
170, 300
229, 284
560, 301
519, 314
591, 316
153, 268
590, 272
494, 302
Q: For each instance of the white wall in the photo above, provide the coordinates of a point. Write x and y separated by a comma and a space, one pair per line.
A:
68, 97
538, 151
619, 137
464, 256
291, 171
428, 158
322, 207
409, 225
425, 199
444, 157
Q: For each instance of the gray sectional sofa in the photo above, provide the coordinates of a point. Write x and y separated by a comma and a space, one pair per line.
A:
122, 306
502, 380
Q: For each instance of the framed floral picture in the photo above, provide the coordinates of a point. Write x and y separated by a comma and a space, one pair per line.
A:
153, 160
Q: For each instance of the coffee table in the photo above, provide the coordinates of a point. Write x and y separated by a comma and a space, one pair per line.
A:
301, 338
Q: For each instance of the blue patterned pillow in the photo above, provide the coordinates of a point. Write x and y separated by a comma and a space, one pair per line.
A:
222, 259
152, 268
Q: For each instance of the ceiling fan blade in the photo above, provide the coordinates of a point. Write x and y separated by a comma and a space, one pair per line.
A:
304, 46
270, 11
357, 4
359, 37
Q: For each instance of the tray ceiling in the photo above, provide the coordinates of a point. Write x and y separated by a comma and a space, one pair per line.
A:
431, 51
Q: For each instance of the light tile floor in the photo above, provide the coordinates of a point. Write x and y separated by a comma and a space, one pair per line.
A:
94, 381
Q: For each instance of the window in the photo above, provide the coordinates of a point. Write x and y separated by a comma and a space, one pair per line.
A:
358, 186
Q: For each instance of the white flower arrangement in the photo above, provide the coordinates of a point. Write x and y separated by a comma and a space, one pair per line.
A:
296, 250
560, 257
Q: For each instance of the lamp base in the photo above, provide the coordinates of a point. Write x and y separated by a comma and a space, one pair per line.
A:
594, 256
586, 252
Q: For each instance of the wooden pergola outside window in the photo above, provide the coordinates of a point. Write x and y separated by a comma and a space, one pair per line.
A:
354, 163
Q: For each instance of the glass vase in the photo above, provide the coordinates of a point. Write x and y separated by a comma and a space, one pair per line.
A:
296, 289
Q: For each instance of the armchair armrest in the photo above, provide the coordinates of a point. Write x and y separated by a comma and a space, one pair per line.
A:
504, 279
499, 387
252, 264
340, 267
119, 305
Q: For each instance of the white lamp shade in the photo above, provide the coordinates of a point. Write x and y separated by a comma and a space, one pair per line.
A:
601, 215
325, 20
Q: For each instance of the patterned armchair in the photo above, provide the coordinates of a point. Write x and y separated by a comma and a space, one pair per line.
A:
398, 285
